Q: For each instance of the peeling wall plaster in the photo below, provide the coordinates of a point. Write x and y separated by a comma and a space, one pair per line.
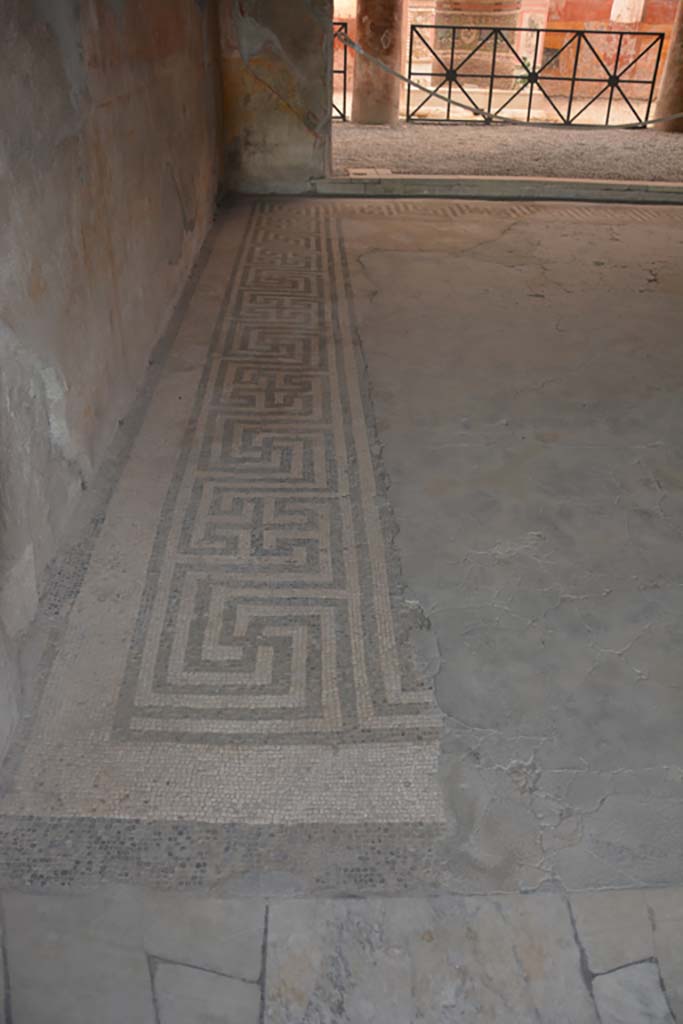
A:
276, 92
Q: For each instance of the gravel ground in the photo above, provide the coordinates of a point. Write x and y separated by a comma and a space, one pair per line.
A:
510, 150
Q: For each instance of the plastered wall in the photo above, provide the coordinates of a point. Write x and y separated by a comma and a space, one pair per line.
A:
109, 160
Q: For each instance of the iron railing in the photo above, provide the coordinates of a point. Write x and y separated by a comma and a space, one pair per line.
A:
563, 72
340, 72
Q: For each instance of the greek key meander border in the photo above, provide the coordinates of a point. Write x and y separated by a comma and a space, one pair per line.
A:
560, 210
292, 268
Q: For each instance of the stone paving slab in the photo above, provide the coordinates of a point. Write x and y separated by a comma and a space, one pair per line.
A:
469, 960
125, 956
77, 959
631, 926
225, 937
632, 995
185, 995
97, 956
614, 927
4, 994
665, 910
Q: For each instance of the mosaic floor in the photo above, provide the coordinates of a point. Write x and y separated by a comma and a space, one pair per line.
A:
238, 649
234, 689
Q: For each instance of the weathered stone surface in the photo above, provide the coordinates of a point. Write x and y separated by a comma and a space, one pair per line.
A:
186, 995
632, 995
225, 936
621, 927
665, 910
398, 961
77, 959
4, 994
614, 927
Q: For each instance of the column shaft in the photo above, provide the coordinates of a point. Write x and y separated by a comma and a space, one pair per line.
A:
671, 91
376, 94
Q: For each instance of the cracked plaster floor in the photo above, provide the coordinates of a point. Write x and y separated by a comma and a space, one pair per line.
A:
525, 371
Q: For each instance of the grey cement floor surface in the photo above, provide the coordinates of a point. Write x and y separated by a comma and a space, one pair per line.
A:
358, 698
503, 150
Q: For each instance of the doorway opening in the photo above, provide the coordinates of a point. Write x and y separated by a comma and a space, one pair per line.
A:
514, 88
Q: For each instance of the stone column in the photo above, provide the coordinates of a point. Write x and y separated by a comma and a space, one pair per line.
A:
671, 92
376, 94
